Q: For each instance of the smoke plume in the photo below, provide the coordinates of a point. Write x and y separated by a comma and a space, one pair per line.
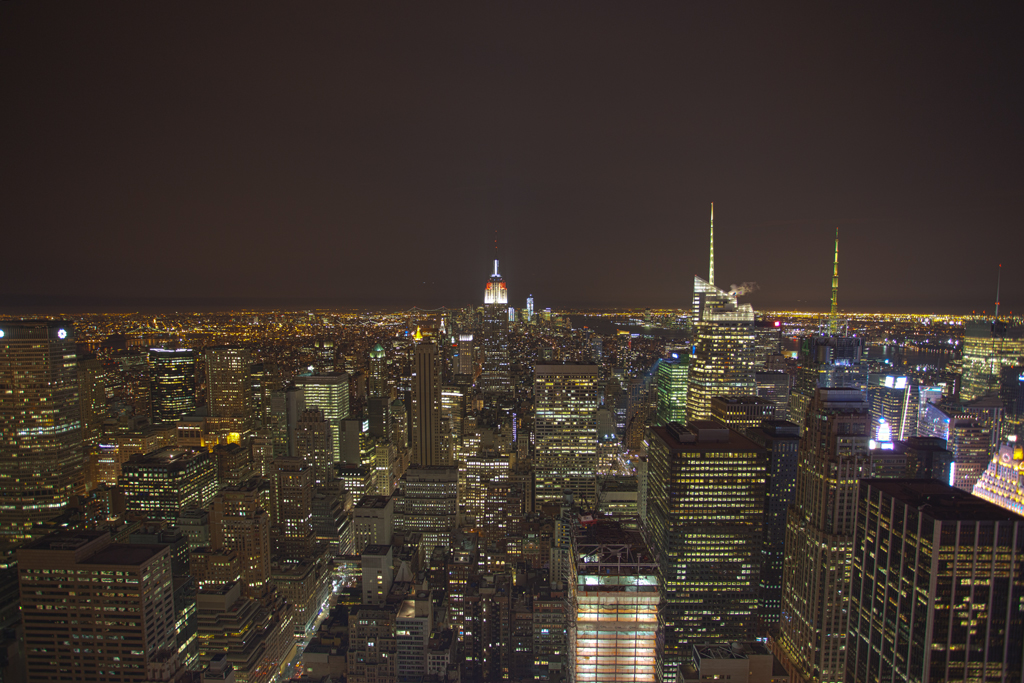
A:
744, 289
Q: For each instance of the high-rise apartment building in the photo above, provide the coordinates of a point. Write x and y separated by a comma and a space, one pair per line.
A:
705, 514
329, 393
834, 456
96, 610
240, 521
41, 457
426, 407
565, 431
229, 387
172, 380
670, 381
937, 587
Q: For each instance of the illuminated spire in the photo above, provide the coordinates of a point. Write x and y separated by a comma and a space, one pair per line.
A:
711, 274
833, 319
495, 266
999, 278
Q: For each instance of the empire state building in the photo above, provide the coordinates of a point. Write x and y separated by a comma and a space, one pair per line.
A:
494, 379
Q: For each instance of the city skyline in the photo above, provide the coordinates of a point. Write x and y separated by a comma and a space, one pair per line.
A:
295, 156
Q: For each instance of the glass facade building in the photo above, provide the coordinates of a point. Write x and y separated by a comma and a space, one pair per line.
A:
565, 431
937, 587
705, 514
41, 454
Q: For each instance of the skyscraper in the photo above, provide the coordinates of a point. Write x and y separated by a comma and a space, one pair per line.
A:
887, 400
41, 457
989, 345
670, 381
937, 588
724, 343
379, 402
172, 377
495, 379
329, 393
229, 387
833, 457
313, 445
159, 485
96, 609
705, 508
782, 441
426, 407
565, 430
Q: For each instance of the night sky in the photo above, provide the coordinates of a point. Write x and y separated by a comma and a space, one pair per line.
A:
362, 154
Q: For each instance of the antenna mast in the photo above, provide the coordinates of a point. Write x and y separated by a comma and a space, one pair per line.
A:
711, 274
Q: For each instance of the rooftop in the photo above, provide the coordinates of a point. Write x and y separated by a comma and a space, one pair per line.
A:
941, 501
703, 435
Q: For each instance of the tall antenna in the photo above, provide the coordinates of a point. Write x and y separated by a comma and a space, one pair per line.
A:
495, 252
711, 275
833, 319
999, 279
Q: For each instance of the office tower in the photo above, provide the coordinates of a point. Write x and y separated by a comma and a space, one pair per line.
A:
833, 457
464, 367
254, 634
705, 508
529, 308
67, 579
937, 586
781, 439
1011, 391
379, 402
92, 401
915, 396
477, 470
989, 345
616, 597
399, 424
741, 412
172, 381
229, 387
925, 458
426, 407
161, 484
294, 507
966, 438
427, 503
413, 626
263, 453
565, 431
41, 459
722, 363
494, 378
597, 349
264, 378
329, 393
240, 521
670, 381
774, 386
825, 363
767, 342
314, 446
887, 400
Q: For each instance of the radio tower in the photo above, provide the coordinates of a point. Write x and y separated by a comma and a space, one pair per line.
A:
999, 278
711, 275
833, 318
